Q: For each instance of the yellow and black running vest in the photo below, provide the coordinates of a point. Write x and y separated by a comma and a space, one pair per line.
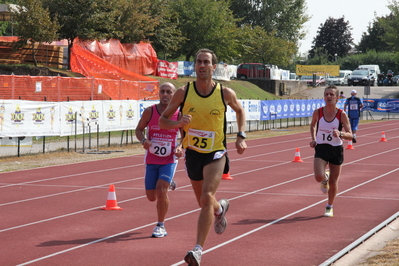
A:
207, 130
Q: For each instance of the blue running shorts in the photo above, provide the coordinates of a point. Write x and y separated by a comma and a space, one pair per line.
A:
153, 172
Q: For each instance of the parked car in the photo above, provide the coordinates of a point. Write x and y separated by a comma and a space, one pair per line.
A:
320, 80
395, 80
253, 70
342, 79
374, 70
361, 77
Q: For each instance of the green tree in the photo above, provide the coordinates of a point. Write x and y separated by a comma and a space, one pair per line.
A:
264, 47
168, 36
206, 24
6, 27
88, 20
321, 57
372, 39
139, 19
390, 24
285, 18
34, 25
335, 37
3, 27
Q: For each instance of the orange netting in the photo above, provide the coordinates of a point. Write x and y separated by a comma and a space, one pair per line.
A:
112, 60
61, 89
137, 58
107, 78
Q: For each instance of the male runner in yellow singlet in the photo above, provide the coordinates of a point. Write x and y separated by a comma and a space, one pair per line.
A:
203, 105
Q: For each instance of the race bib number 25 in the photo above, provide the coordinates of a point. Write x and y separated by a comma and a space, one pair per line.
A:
200, 139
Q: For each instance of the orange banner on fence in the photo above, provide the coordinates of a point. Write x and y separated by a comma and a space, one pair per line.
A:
138, 58
63, 89
91, 65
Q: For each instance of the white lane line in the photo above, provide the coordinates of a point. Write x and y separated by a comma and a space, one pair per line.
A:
72, 175
284, 217
246, 172
221, 244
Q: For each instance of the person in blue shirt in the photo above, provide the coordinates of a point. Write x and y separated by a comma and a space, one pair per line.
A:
354, 105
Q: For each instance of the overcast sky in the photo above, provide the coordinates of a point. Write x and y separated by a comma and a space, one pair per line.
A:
358, 12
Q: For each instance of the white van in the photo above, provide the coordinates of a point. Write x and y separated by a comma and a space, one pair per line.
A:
374, 70
342, 79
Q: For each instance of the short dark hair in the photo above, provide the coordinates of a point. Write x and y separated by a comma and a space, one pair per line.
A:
334, 88
204, 50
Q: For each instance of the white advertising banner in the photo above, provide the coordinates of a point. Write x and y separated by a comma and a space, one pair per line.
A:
86, 113
275, 73
13, 142
251, 108
120, 115
232, 69
285, 74
32, 119
221, 72
26, 118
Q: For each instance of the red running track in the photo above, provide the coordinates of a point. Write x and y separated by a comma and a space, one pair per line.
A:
52, 215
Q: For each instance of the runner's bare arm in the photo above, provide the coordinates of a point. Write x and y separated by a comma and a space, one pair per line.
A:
315, 118
142, 124
230, 99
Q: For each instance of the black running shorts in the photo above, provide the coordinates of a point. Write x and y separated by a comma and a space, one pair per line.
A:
330, 154
195, 162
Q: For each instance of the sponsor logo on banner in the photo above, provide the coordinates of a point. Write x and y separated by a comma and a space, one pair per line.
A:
111, 114
38, 117
167, 69
17, 117
130, 113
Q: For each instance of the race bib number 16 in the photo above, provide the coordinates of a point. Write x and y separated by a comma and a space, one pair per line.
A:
200, 139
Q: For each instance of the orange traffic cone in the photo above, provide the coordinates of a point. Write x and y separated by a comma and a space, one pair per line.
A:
383, 139
350, 146
297, 158
111, 201
227, 176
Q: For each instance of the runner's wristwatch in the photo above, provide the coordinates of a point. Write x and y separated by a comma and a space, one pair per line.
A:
242, 135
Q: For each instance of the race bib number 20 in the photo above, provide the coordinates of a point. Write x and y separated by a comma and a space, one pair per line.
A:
200, 139
160, 148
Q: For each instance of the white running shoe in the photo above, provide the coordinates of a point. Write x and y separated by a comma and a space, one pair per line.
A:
220, 220
172, 185
159, 231
329, 212
193, 257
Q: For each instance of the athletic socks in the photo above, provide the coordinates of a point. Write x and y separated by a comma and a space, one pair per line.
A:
160, 224
219, 211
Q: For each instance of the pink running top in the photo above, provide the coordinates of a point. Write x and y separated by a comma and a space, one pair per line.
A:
163, 141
